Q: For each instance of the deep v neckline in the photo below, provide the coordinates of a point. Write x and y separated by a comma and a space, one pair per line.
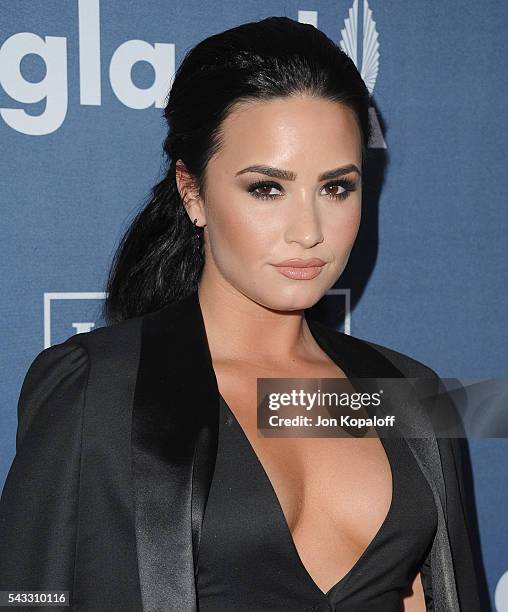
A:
289, 536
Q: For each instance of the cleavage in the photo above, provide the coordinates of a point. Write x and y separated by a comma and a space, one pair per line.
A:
334, 495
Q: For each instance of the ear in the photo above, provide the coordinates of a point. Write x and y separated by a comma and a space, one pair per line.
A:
189, 193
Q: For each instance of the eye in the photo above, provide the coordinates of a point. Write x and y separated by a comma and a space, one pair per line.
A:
345, 187
267, 185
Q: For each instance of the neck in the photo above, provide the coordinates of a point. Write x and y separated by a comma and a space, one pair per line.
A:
235, 322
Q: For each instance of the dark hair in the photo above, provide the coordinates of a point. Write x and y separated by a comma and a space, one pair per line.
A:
156, 261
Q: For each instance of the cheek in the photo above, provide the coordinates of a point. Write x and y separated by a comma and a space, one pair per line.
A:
341, 230
237, 236
352, 221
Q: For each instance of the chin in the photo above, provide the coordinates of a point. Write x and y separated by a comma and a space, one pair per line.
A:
291, 299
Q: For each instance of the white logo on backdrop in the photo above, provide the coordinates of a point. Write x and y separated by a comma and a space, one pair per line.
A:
53, 88
80, 326
349, 44
369, 66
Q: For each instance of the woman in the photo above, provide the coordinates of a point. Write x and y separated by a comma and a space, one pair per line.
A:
139, 481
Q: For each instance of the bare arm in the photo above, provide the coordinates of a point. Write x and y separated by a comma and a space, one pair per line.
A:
414, 600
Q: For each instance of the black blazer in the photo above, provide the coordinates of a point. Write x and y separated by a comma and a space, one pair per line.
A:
115, 450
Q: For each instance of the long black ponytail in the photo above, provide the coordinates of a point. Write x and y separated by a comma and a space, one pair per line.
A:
157, 261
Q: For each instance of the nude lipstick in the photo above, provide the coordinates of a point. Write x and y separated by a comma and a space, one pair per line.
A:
300, 269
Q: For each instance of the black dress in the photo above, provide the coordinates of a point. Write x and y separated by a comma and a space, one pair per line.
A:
248, 561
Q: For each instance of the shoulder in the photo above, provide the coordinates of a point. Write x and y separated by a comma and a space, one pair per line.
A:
56, 381
79, 351
107, 341
408, 365
89, 346
432, 387
100, 347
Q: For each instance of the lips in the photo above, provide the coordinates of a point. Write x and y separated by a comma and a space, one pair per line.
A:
301, 263
300, 269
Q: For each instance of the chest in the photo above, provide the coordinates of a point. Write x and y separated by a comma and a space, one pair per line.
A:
339, 486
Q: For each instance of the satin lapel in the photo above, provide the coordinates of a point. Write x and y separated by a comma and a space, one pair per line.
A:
359, 359
174, 446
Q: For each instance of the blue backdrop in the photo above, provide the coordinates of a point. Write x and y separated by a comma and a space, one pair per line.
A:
82, 84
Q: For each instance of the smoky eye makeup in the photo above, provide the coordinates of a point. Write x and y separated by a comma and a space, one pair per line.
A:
343, 187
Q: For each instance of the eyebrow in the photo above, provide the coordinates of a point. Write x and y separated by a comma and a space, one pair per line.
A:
288, 175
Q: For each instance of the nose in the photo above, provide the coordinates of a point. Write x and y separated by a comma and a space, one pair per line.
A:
304, 225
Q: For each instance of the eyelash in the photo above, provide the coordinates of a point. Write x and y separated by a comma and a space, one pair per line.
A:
344, 183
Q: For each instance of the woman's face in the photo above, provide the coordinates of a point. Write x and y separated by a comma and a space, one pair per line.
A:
255, 220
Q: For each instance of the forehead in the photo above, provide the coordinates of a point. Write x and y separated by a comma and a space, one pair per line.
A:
286, 128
